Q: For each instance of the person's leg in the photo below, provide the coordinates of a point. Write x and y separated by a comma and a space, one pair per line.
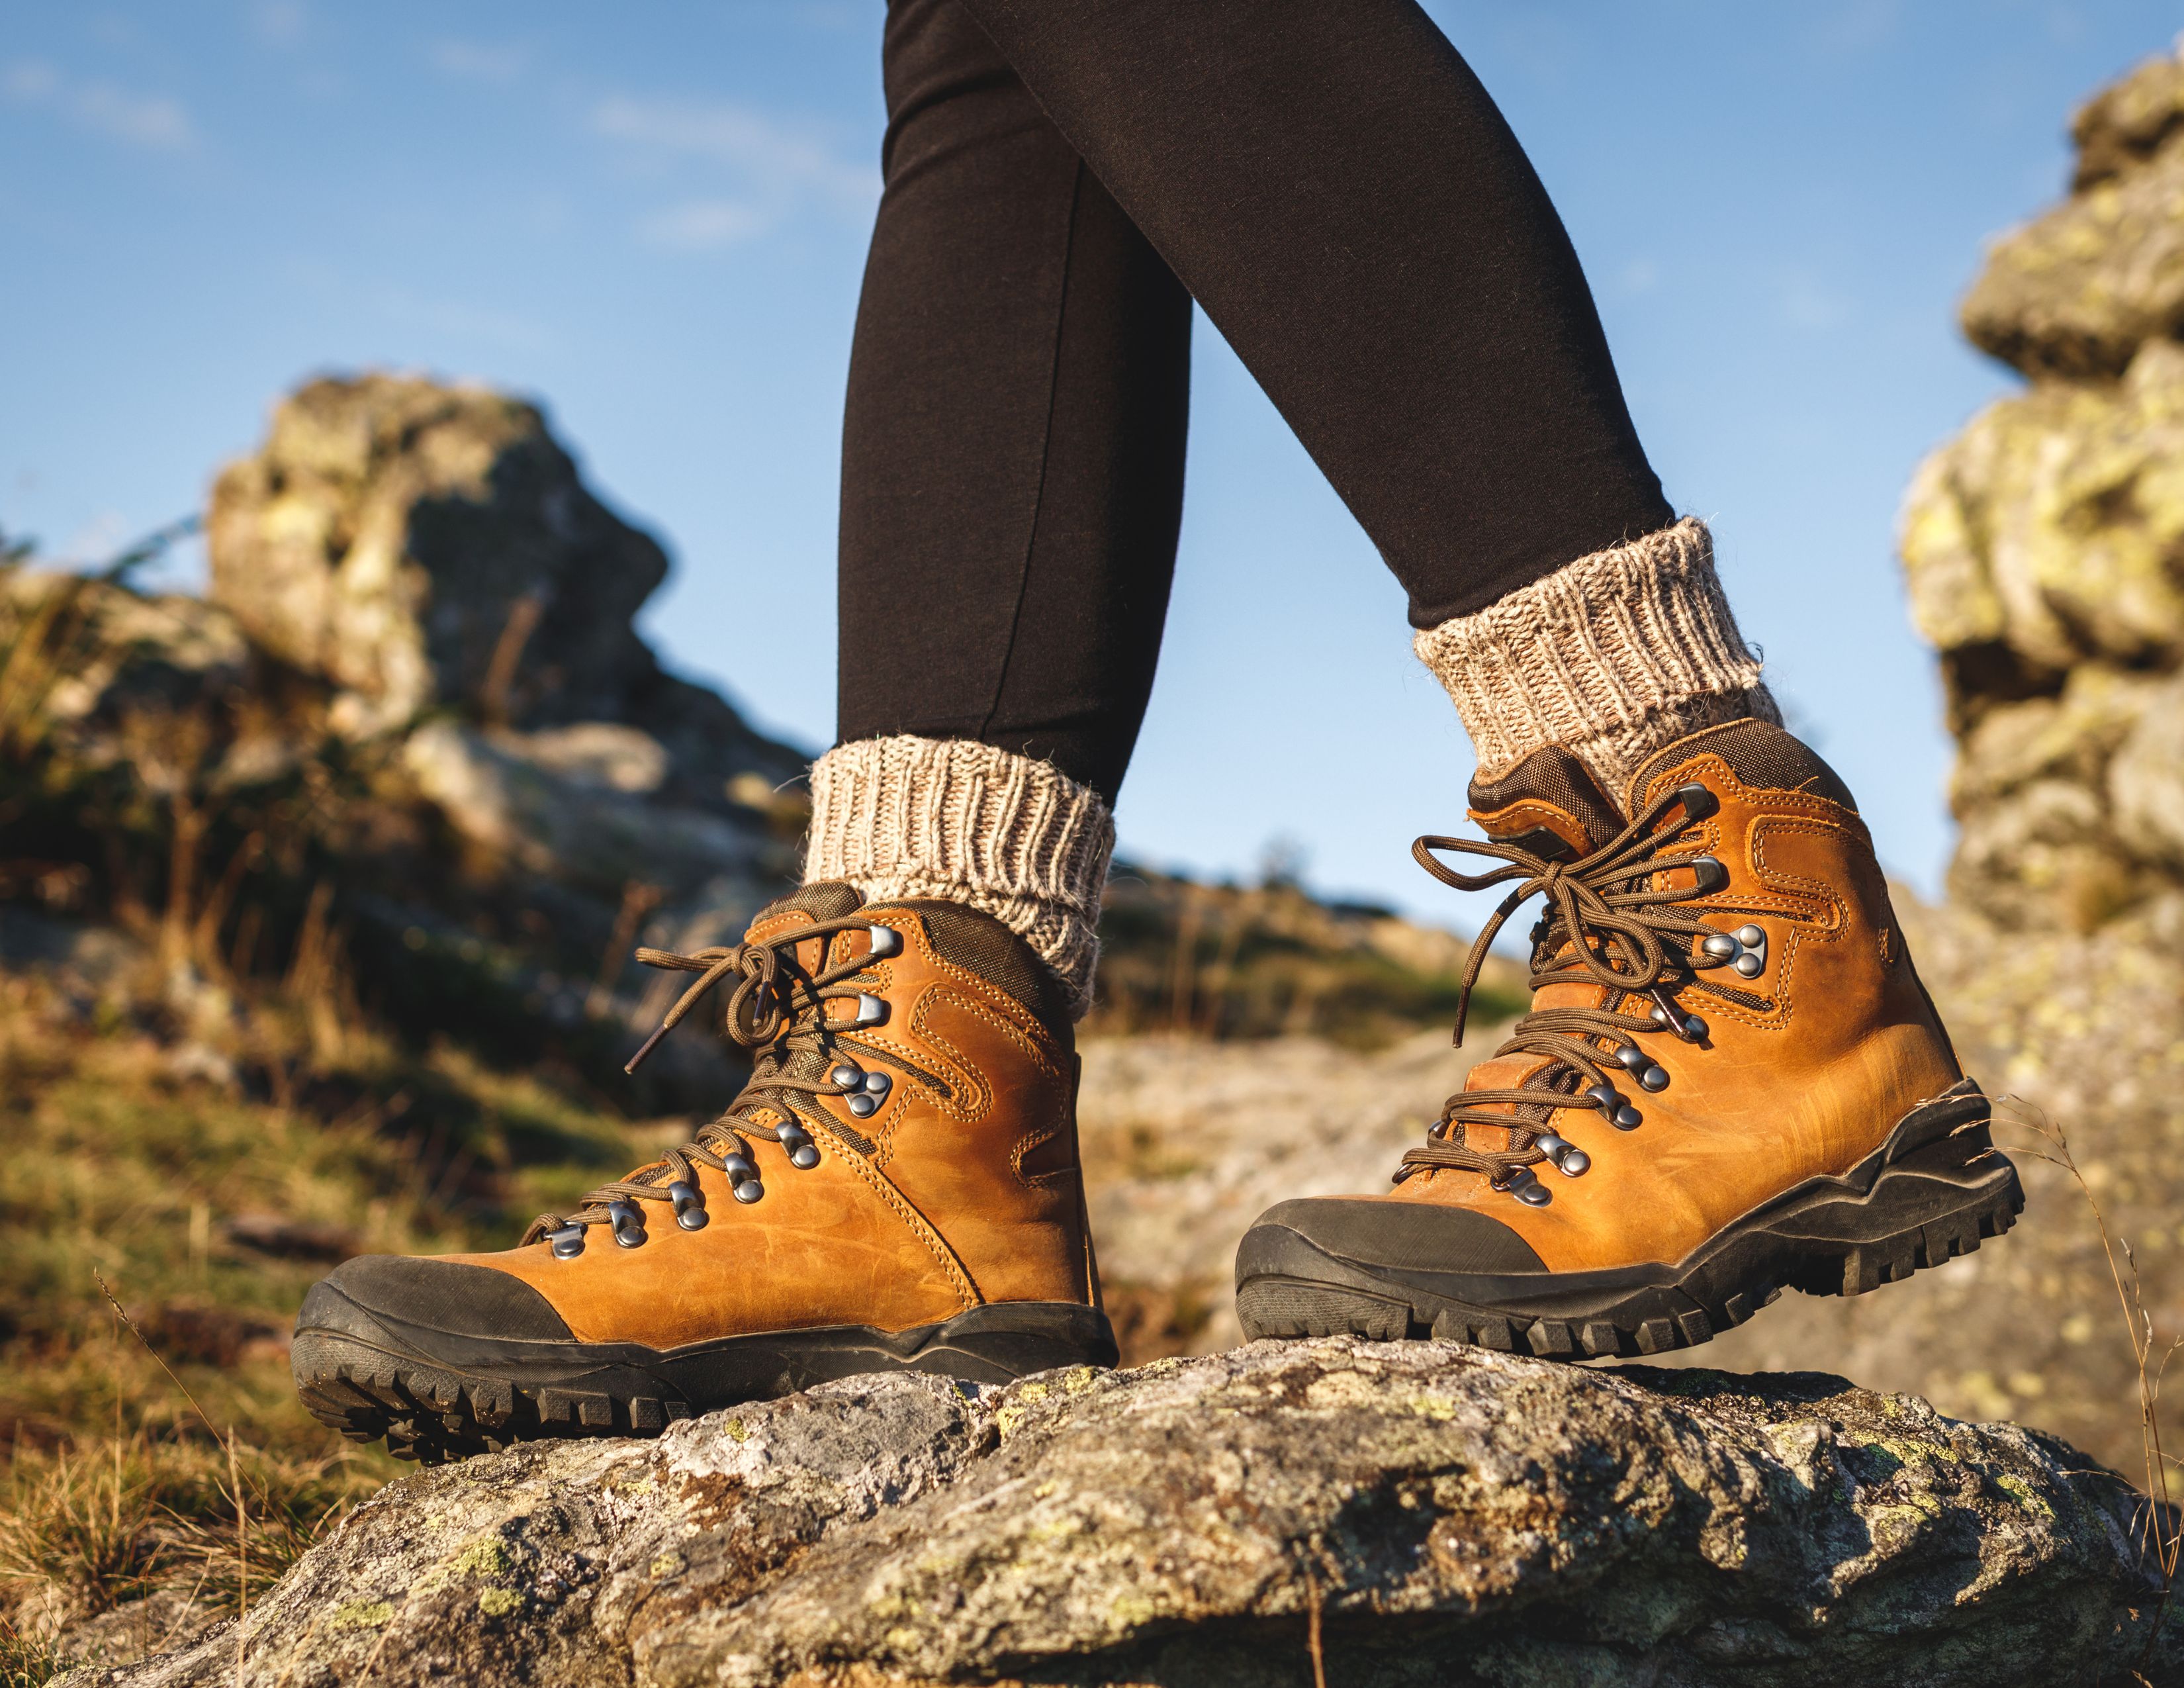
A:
1337, 190
1012, 487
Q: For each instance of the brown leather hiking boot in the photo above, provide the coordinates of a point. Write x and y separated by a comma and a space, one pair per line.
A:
896, 1189
1731, 1080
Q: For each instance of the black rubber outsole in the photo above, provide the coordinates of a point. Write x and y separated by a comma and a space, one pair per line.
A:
1936, 1190
369, 1377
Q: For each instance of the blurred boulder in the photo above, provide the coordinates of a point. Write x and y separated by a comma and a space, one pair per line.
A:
426, 546
2044, 546
578, 824
2077, 291
411, 754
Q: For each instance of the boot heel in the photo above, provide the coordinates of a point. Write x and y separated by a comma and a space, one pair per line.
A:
1941, 1220
1940, 1200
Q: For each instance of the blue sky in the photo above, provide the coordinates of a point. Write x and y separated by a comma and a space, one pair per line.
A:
652, 217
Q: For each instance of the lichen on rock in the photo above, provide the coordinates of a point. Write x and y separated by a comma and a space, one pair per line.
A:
2044, 546
1455, 1516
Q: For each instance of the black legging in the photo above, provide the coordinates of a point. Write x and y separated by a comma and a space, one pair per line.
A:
1330, 181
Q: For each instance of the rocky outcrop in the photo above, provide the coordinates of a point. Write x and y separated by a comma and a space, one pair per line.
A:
431, 548
416, 695
2045, 546
1403, 1513
2081, 289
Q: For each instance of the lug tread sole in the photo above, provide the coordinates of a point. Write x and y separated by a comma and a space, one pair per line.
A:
1657, 1318
434, 1412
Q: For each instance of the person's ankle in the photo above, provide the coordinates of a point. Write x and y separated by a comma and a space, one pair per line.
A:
903, 817
1613, 656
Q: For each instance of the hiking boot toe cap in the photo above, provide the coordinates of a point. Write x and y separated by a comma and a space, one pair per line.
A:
361, 1297
1400, 1238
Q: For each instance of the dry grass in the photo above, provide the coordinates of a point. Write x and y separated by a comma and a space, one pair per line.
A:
2160, 1526
209, 1207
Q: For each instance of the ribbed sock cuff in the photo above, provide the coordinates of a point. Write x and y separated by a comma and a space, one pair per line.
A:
1613, 656
906, 816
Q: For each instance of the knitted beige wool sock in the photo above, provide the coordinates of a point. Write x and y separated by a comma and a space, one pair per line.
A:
931, 817
1613, 657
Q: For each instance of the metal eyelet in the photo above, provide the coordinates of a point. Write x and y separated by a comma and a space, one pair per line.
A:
1525, 1186
568, 1241
1699, 803
689, 1206
872, 1011
750, 1190
802, 1153
1708, 876
1688, 1026
1633, 1057
737, 1168
628, 1224
1746, 951
863, 1106
1620, 1114
1570, 1160
877, 1084
848, 1076
1654, 1078
885, 942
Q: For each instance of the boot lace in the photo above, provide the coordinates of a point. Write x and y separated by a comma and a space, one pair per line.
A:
1611, 919
778, 1009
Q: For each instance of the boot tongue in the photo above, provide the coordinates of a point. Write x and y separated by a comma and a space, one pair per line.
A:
1549, 804
808, 905
829, 899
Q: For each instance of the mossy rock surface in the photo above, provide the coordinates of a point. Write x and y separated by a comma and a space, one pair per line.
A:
1453, 1516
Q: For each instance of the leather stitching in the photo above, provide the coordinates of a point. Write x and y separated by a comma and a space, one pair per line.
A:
936, 1245
1808, 929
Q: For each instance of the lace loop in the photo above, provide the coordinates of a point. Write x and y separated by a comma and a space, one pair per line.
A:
1610, 919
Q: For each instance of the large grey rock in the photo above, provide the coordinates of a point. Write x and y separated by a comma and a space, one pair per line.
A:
428, 546
1452, 1516
416, 688
2044, 551
427, 557
397, 535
